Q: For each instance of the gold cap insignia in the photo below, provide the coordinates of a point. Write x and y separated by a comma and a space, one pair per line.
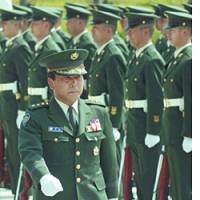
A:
156, 118
74, 56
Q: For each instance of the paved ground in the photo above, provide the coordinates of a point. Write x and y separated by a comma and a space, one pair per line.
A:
6, 194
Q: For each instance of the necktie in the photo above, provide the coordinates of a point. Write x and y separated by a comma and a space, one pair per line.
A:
72, 120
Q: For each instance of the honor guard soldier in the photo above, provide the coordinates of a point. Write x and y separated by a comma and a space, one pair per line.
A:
177, 115
67, 145
57, 26
162, 43
144, 102
43, 21
118, 40
15, 59
25, 26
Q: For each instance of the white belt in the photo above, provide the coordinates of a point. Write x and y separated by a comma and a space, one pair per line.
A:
38, 91
177, 102
9, 86
99, 99
136, 104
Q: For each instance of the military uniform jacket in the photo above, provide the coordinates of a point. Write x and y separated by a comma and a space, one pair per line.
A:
144, 83
14, 63
177, 83
85, 164
168, 53
65, 37
58, 40
121, 44
106, 76
2, 40
161, 44
30, 39
85, 42
37, 76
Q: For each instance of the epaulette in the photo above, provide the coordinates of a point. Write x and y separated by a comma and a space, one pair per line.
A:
92, 102
39, 105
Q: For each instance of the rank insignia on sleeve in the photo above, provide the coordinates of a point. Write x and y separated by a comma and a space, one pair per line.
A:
96, 151
113, 110
26, 118
156, 118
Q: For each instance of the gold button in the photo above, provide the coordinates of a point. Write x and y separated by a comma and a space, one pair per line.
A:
135, 79
165, 80
78, 166
78, 180
97, 75
77, 140
55, 139
171, 80
126, 90
137, 63
78, 153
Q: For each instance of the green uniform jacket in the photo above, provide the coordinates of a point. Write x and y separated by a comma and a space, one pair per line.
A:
65, 37
14, 63
85, 42
121, 44
37, 76
30, 39
107, 75
168, 53
2, 40
144, 83
161, 44
177, 83
58, 40
85, 165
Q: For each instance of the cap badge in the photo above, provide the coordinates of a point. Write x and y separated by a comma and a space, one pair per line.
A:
74, 56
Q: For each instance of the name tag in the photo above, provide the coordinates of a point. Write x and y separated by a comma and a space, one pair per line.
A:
55, 129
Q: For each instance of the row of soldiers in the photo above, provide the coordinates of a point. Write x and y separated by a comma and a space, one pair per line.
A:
146, 87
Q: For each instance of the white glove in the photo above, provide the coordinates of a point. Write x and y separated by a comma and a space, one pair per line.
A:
20, 115
50, 185
187, 144
151, 140
116, 134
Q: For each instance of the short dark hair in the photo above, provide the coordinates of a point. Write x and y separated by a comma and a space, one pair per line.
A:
51, 75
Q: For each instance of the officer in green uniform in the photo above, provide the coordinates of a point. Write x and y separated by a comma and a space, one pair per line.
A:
144, 102
77, 19
25, 26
14, 63
177, 114
67, 145
43, 21
57, 26
2, 38
118, 40
162, 43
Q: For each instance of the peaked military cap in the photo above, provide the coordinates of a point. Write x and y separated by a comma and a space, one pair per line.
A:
108, 8
188, 7
160, 9
139, 9
101, 17
76, 5
137, 19
45, 14
66, 63
56, 11
77, 12
178, 19
11, 14
28, 11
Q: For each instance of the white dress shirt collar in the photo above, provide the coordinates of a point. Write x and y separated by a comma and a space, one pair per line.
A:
140, 50
181, 49
100, 49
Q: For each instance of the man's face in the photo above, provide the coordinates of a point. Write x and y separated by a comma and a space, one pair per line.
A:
98, 33
67, 88
38, 28
174, 36
135, 36
72, 26
10, 28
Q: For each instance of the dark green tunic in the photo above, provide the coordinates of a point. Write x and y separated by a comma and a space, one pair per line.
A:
47, 144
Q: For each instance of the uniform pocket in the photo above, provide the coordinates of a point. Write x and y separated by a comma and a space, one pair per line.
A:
95, 136
99, 183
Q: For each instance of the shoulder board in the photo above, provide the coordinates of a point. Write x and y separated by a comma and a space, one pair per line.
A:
90, 102
39, 105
